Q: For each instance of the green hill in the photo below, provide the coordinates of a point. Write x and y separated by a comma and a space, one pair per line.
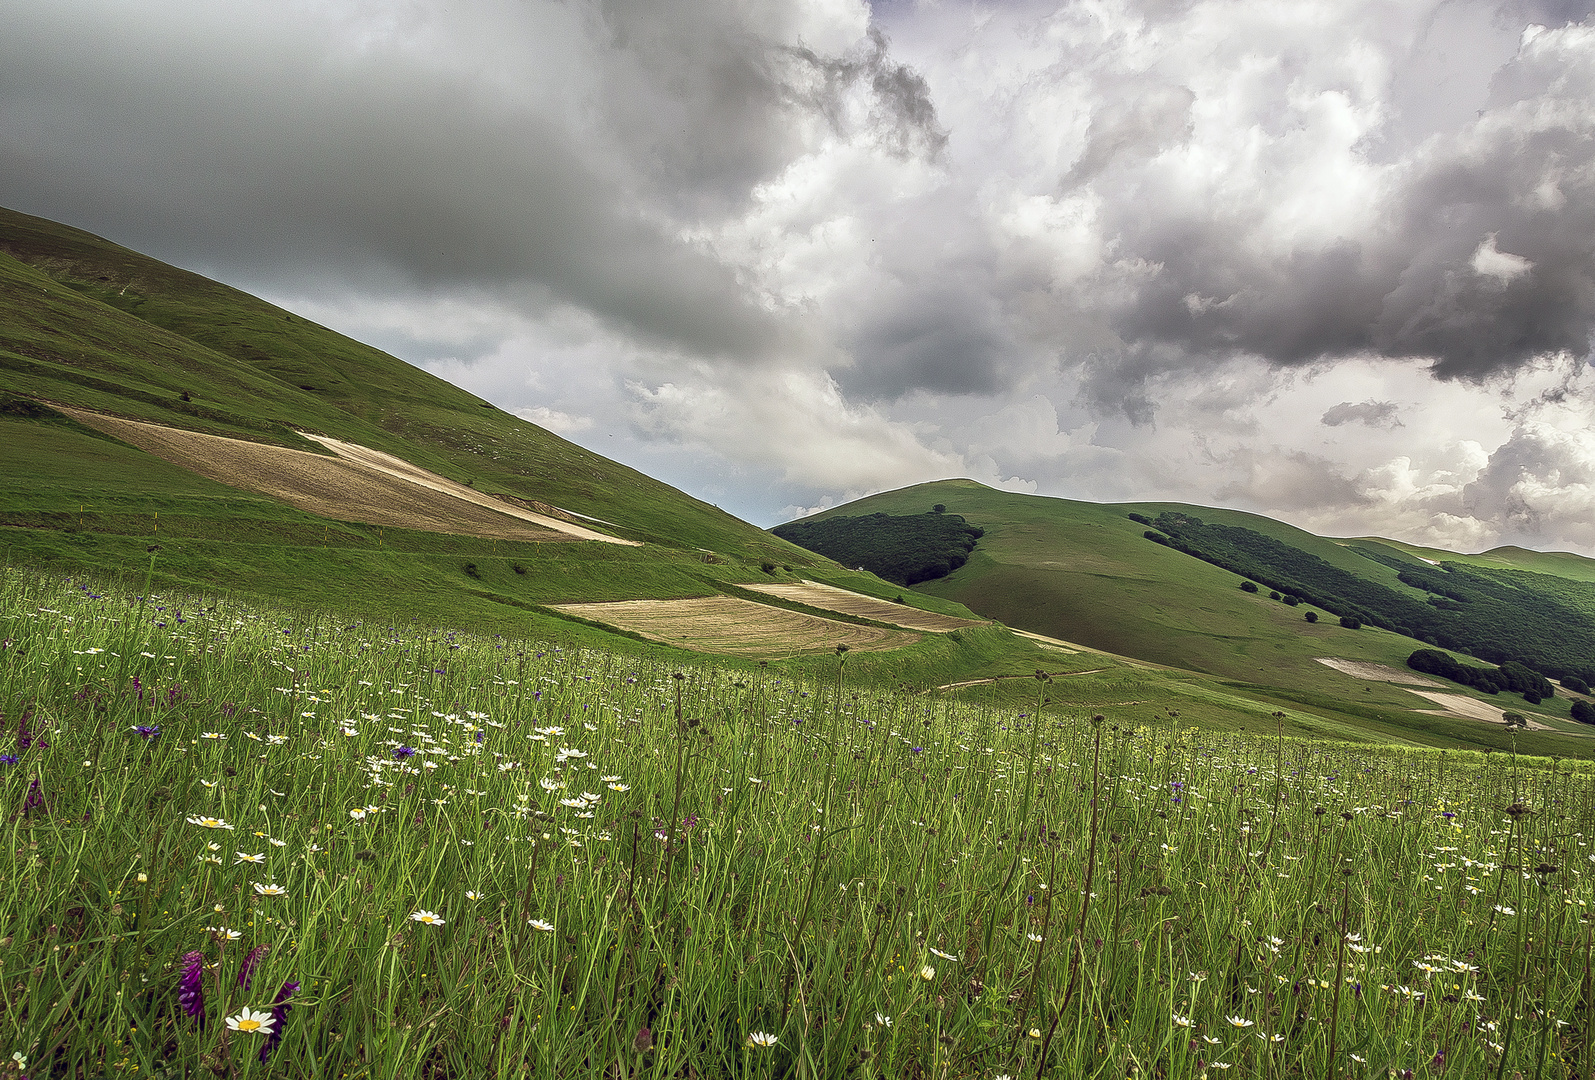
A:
1086, 573
88, 323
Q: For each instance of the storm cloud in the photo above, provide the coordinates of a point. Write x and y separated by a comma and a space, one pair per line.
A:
783, 252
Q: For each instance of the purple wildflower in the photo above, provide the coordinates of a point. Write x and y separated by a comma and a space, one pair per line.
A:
279, 1015
25, 736
191, 986
146, 731
246, 974
35, 798
8, 759
403, 752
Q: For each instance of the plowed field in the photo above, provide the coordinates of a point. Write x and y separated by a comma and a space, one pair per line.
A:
829, 597
365, 485
728, 624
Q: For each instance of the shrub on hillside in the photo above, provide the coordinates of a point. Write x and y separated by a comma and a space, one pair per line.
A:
1311, 616
1350, 623
1248, 586
1584, 712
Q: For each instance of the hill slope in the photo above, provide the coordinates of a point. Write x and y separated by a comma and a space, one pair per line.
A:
88, 323
1085, 572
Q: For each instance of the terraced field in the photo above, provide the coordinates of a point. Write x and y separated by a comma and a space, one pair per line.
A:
829, 597
730, 625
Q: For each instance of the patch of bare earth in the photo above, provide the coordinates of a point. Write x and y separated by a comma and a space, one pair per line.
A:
729, 624
374, 490
1364, 669
1468, 708
396, 467
831, 598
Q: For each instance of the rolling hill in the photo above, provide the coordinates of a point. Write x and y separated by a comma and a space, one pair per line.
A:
170, 429
180, 435
1087, 573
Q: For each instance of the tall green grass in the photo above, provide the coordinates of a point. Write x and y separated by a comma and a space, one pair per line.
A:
451, 855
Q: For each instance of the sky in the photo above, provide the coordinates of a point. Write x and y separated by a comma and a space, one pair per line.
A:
1331, 262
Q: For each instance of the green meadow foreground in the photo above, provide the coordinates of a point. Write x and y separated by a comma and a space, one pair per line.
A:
249, 844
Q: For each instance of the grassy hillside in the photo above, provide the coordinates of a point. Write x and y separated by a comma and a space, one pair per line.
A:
1084, 572
86, 322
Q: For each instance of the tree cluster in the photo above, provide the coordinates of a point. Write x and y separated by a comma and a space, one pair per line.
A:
1513, 676
905, 549
1497, 615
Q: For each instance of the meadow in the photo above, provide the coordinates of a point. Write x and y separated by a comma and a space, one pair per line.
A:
251, 843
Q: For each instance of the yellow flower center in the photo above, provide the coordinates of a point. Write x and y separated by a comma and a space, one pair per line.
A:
248, 1025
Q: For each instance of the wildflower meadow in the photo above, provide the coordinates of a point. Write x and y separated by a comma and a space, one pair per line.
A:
250, 843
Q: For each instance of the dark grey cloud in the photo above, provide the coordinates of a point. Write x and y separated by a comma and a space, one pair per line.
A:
1475, 258
936, 337
1370, 413
531, 154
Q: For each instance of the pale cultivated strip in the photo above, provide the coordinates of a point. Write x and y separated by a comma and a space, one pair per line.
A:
403, 470
345, 488
728, 624
831, 598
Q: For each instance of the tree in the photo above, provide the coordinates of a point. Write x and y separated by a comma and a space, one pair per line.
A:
939, 508
1349, 623
1311, 616
1248, 586
1584, 712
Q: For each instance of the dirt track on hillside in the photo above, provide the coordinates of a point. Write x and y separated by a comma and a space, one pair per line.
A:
337, 487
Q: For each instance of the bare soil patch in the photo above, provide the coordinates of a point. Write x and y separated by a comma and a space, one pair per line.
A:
369, 487
403, 470
729, 624
831, 598
1469, 708
1364, 669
